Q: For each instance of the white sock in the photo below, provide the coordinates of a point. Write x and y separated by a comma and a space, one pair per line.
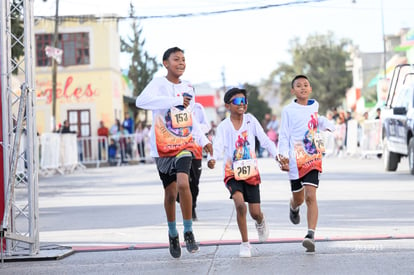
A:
294, 209
311, 232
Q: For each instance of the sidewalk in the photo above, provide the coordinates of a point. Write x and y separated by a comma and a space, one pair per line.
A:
111, 221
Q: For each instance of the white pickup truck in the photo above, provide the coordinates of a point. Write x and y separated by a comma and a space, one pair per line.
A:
398, 119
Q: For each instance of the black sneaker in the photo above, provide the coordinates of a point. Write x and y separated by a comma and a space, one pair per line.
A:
175, 248
294, 215
309, 243
190, 243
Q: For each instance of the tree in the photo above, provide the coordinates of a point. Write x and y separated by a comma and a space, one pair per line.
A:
256, 106
17, 30
322, 60
143, 66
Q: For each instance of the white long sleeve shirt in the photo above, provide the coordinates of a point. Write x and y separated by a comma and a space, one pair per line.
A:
201, 117
161, 96
299, 137
233, 145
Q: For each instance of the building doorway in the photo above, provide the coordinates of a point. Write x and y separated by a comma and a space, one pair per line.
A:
80, 121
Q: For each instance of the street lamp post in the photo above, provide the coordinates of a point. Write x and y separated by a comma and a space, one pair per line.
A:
54, 67
384, 40
384, 49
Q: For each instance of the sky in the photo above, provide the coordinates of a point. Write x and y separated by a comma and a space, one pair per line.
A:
233, 48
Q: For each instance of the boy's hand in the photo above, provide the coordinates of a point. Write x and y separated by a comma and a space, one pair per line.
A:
186, 99
208, 148
283, 162
211, 163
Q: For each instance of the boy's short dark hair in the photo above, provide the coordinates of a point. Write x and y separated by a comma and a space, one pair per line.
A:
297, 77
170, 51
233, 91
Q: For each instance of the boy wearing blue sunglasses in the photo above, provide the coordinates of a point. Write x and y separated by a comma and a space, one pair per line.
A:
235, 142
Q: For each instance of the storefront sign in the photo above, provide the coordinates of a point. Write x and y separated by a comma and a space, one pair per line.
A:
69, 93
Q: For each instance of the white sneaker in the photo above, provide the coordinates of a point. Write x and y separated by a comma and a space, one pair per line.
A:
309, 243
262, 230
245, 250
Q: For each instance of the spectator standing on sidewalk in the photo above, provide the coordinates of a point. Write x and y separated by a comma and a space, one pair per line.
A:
235, 142
174, 139
141, 133
115, 128
128, 123
273, 129
300, 153
112, 152
103, 133
348, 117
330, 138
65, 128
340, 133
264, 122
124, 144
378, 116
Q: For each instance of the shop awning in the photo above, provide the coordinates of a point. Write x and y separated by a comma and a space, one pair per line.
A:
206, 100
128, 99
404, 46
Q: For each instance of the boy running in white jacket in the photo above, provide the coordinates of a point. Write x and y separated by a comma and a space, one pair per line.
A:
301, 147
235, 142
174, 140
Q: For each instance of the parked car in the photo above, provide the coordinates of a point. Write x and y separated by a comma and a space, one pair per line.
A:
398, 119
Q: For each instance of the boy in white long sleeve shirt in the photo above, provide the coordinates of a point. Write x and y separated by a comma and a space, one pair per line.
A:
235, 142
174, 140
301, 148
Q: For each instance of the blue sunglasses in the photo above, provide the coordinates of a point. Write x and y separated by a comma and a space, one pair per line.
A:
239, 101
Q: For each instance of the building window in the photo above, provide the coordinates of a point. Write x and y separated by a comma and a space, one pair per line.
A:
80, 121
43, 40
75, 48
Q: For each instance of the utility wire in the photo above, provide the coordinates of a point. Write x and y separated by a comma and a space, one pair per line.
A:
180, 15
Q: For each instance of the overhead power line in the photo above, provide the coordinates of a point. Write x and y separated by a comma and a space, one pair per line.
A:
180, 15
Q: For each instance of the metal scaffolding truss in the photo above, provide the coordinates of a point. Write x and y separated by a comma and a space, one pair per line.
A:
19, 226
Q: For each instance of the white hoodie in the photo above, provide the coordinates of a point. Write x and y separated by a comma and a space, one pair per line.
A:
233, 145
298, 137
160, 96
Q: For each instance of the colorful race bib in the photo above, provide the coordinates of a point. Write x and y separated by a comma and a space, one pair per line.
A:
181, 118
244, 169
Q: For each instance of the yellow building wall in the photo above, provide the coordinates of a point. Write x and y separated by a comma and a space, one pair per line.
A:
98, 87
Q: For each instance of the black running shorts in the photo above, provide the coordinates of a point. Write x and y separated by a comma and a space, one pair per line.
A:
251, 193
169, 167
311, 178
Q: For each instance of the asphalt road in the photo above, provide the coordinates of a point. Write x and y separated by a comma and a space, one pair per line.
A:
111, 220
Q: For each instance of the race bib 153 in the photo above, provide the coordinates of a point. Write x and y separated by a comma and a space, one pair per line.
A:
181, 118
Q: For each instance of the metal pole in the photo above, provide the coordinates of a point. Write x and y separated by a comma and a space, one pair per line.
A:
384, 44
5, 63
32, 155
54, 67
19, 225
384, 40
